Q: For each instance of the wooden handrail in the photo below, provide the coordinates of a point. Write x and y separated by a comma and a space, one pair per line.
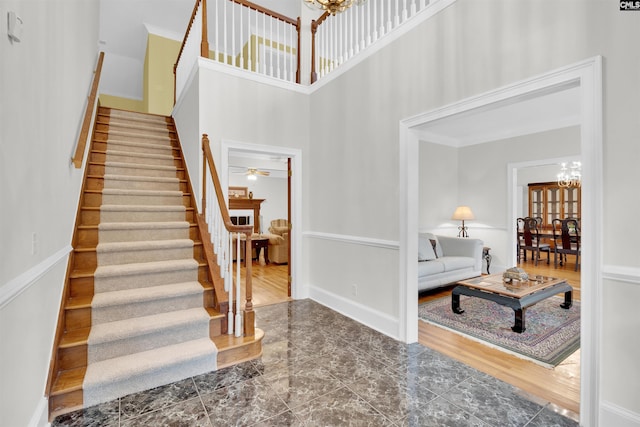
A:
88, 114
186, 34
266, 11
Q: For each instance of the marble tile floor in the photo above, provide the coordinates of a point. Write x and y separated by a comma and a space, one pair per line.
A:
320, 368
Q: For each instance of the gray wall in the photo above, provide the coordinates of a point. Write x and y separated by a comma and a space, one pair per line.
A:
44, 84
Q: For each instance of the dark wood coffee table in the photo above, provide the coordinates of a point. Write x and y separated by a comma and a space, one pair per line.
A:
517, 295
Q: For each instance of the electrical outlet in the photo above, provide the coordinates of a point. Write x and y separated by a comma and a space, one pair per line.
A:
354, 290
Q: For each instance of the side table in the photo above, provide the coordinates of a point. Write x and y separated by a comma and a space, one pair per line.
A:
487, 257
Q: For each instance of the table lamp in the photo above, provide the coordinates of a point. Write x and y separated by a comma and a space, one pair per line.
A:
463, 213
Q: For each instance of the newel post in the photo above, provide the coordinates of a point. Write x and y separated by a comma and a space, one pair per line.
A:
205, 143
249, 314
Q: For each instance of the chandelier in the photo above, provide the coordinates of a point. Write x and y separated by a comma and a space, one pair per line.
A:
333, 6
570, 176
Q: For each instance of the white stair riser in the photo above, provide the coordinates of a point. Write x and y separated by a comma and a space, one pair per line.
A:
143, 280
129, 235
138, 199
101, 315
160, 338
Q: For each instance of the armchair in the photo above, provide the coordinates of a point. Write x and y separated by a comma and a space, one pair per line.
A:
279, 241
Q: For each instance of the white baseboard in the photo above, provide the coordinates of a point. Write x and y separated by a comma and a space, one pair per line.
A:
381, 322
614, 415
40, 417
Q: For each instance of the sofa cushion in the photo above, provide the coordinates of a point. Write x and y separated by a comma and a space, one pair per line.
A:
427, 268
425, 250
456, 262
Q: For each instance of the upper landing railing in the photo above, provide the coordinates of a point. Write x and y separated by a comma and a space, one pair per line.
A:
243, 35
336, 39
248, 36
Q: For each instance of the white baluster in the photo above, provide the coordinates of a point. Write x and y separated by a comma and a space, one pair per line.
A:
250, 51
361, 44
271, 47
230, 311
351, 13
238, 322
241, 64
423, 4
389, 23
224, 31
375, 20
292, 58
414, 7
405, 11
369, 32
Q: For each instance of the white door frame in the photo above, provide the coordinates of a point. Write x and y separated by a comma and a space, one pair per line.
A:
298, 290
588, 76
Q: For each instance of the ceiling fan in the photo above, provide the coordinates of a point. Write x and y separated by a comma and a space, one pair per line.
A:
252, 173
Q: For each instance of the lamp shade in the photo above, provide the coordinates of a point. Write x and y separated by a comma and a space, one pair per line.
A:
463, 213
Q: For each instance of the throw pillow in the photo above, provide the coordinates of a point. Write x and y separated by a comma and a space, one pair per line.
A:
425, 250
434, 245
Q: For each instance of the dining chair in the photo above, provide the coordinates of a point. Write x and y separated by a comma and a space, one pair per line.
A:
566, 239
532, 242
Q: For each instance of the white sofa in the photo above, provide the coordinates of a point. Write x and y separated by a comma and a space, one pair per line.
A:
443, 260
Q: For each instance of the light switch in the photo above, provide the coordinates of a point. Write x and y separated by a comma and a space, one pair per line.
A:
14, 24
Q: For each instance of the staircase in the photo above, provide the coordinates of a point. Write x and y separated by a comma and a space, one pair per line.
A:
142, 307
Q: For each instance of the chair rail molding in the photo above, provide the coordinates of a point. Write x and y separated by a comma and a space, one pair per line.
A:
355, 240
15, 287
621, 273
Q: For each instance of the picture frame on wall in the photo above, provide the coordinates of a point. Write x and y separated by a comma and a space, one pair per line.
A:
238, 192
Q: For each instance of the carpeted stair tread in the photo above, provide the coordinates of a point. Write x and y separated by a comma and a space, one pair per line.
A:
133, 146
129, 296
145, 325
143, 225
103, 271
135, 136
141, 213
122, 253
127, 125
144, 245
141, 178
134, 115
141, 182
113, 378
144, 274
111, 232
139, 169
136, 155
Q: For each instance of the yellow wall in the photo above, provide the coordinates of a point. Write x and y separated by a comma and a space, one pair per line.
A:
158, 76
121, 103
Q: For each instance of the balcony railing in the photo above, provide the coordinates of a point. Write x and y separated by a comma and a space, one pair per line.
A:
240, 34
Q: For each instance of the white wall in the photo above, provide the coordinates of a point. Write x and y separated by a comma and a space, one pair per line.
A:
44, 84
469, 48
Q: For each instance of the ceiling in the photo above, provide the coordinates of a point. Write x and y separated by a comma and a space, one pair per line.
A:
543, 112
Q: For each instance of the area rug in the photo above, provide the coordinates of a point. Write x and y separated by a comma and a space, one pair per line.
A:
551, 335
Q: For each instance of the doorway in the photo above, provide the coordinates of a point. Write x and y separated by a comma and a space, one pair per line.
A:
284, 165
587, 77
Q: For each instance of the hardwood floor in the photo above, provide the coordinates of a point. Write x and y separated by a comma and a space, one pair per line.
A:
269, 283
560, 386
